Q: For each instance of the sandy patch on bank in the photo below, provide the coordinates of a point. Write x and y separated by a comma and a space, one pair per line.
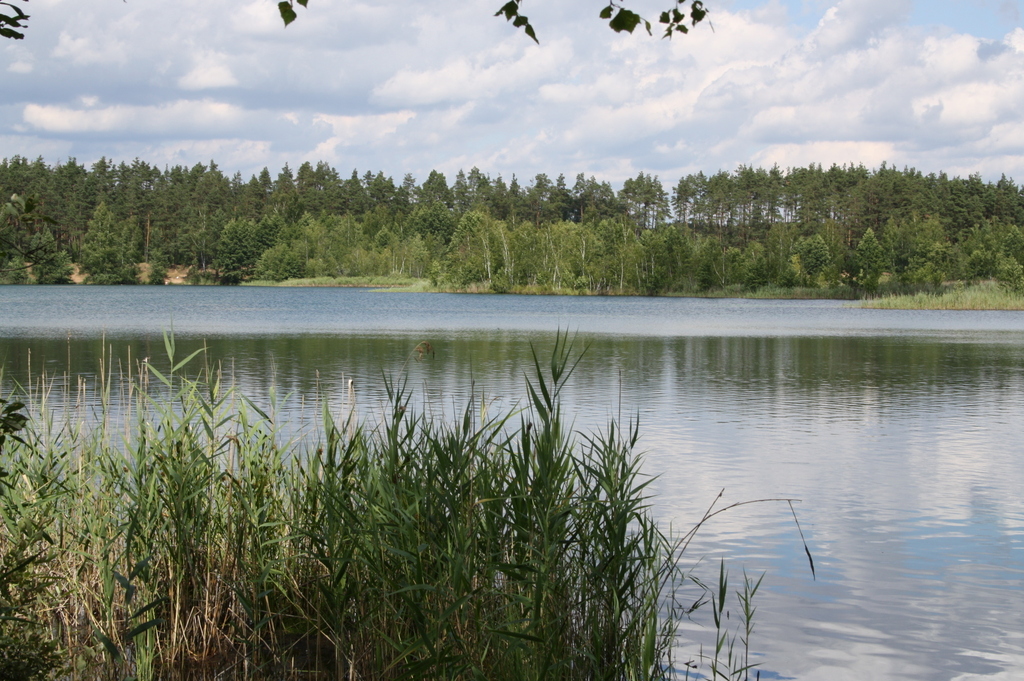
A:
175, 275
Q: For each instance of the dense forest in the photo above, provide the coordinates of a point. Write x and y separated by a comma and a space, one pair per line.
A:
844, 228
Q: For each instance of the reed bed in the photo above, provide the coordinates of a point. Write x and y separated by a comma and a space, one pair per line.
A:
984, 296
194, 541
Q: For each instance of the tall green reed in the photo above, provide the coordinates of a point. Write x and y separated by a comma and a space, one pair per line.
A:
202, 542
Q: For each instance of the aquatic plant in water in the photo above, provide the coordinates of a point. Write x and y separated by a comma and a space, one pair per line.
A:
193, 540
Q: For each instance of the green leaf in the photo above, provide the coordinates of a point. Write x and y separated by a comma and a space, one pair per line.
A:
606, 13
145, 626
697, 11
509, 10
149, 606
108, 644
169, 344
17, 11
515, 634
163, 379
187, 360
415, 587
287, 13
625, 20
139, 567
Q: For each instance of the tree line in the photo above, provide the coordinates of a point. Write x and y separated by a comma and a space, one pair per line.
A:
846, 227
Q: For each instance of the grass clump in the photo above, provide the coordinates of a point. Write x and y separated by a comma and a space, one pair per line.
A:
191, 541
983, 296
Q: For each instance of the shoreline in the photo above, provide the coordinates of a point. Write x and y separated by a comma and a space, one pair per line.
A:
984, 295
988, 295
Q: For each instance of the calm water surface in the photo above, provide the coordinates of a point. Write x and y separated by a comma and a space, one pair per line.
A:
899, 431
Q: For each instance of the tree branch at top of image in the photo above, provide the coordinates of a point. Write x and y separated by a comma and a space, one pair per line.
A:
678, 18
12, 18
21, 222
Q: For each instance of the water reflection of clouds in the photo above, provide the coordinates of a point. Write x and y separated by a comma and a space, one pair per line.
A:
904, 450
903, 505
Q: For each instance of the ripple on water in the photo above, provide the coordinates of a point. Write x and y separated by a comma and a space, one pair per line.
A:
897, 431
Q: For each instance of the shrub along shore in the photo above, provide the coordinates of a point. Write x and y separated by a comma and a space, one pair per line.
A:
985, 295
180, 536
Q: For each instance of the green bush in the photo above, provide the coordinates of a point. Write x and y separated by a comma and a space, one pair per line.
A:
279, 263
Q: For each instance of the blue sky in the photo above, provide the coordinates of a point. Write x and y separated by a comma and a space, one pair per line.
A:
391, 85
983, 18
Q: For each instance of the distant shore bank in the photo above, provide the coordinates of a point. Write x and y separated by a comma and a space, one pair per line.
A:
984, 295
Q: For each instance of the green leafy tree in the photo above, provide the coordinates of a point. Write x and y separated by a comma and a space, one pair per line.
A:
1013, 243
678, 257
279, 263
21, 225
433, 220
870, 261
655, 267
912, 254
110, 249
474, 254
15, 271
928, 266
710, 265
756, 271
981, 264
238, 252
52, 265
435, 190
1010, 274
814, 257
157, 267
645, 200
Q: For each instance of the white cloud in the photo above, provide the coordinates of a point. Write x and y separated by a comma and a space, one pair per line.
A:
1015, 39
871, 154
229, 153
510, 66
183, 114
90, 50
257, 18
32, 146
358, 130
380, 85
210, 71
854, 23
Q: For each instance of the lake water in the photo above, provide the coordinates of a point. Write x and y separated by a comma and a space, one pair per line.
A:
900, 432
